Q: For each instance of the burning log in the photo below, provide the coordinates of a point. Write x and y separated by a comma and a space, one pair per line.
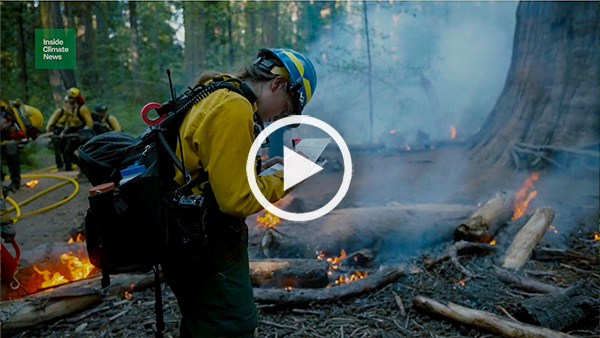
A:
404, 226
66, 300
296, 273
528, 237
47, 265
560, 310
484, 320
373, 281
485, 222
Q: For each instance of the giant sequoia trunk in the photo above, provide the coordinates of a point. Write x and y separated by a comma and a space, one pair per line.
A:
60, 79
551, 93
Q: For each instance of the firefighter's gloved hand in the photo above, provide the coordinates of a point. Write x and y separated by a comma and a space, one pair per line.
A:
8, 233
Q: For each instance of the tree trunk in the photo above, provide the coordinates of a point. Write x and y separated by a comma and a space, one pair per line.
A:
551, 93
60, 79
230, 35
87, 47
194, 53
21, 53
134, 50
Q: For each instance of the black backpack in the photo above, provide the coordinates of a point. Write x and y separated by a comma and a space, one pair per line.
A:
126, 227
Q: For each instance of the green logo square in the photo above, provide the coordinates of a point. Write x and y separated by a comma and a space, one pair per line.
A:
55, 48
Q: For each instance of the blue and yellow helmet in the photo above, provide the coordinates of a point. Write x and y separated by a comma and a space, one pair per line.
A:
298, 70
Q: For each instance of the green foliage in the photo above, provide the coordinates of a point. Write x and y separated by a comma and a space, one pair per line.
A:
233, 33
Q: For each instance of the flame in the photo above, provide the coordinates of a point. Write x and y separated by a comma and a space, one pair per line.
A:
407, 148
493, 242
268, 219
288, 288
596, 236
79, 268
32, 183
392, 131
353, 277
524, 195
129, 293
452, 132
334, 261
461, 283
553, 228
55, 279
78, 239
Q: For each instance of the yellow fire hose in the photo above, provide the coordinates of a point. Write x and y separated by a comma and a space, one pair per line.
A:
66, 179
15, 206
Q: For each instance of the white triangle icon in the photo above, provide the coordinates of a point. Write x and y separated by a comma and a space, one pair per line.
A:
296, 168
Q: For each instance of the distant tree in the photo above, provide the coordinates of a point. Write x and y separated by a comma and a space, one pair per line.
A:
60, 79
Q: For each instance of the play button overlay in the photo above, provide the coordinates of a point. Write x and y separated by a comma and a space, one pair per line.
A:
296, 168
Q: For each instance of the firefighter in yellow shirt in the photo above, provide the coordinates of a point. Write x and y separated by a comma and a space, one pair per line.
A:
74, 118
103, 122
216, 136
19, 123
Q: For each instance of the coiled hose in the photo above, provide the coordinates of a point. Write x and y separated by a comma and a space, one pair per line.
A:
16, 206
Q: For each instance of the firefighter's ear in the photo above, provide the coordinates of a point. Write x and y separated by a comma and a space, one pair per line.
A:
278, 83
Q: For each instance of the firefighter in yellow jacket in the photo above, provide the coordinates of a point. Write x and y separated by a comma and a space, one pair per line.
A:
19, 123
103, 122
73, 118
216, 136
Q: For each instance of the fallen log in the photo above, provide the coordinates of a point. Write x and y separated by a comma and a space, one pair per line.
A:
569, 308
484, 320
551, 254
281, 273
406, 227
525, 284
66, 300
374, 281
527, 238
483, 225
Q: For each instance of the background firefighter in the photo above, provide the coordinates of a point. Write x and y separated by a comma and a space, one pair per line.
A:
104, 122
19, 123
74, 118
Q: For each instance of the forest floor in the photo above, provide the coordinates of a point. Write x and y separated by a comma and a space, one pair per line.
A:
443, 175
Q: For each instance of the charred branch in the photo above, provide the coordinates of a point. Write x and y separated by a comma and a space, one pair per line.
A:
482, 225
484, 320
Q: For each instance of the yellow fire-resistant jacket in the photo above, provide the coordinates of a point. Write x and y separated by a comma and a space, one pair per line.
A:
70, 117
217, 134
109, 122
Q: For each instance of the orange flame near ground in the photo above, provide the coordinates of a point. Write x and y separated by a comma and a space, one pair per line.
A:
334, 264
51, 279
78, 239
461, 283
596, 236
524, 195
392, 131
553, 228
356, 275
32, 183
452, 132
493, 242
268, 219
79, 268
407, 148
288, 288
